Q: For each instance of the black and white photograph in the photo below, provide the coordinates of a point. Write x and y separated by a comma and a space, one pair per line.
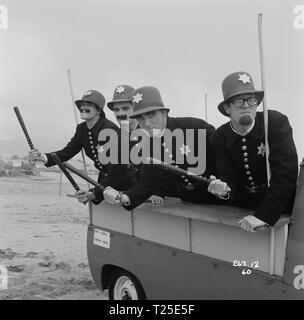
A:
152, 150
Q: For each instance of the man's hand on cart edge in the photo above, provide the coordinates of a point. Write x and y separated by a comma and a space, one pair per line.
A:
84, 196
252, 224
113, 196
219, 188
156, 200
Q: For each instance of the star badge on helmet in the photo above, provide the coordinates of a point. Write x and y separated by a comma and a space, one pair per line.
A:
244, 78
138, 98
120, 89
88, 93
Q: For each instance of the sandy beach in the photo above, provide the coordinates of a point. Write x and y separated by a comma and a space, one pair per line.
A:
43, 241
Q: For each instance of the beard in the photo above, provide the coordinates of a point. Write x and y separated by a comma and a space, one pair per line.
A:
245, 120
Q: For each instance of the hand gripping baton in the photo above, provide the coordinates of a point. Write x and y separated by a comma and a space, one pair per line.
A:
181, 172
86, 178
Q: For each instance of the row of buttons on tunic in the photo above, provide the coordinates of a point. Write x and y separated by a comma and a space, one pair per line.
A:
185, 181
246, 166
94, 151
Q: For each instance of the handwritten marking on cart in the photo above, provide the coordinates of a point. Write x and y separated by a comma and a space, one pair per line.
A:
3, 277
298, 21
298, 281
101, 238
248, 266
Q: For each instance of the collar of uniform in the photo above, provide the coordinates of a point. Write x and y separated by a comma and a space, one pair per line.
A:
97, 126
245, 133
256, 132
170, 124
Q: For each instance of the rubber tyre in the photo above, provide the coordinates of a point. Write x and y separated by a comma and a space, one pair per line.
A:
124, 286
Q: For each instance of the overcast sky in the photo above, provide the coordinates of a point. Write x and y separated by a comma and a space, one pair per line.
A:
185, 48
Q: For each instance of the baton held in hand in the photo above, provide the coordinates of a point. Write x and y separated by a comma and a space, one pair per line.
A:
19, 117
178, 171
64, 170
82, 175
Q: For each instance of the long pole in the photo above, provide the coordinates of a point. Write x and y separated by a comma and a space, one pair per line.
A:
76, 119
60, 183
265, 113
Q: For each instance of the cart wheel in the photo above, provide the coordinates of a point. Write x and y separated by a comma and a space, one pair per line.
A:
124, 286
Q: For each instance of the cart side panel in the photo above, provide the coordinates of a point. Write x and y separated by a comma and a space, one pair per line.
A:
168, 273
112, 217
184, 226
230, 243
162, 228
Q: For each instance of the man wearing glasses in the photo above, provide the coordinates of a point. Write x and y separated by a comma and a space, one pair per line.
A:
86, 136
239, 148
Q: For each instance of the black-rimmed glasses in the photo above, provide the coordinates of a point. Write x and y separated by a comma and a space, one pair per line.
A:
238, 102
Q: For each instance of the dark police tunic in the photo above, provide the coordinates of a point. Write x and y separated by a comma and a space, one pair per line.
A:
88, 140
124, 176
152, 178
241, 162
120, 176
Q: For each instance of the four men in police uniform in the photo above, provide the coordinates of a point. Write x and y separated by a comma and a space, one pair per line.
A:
235, 152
